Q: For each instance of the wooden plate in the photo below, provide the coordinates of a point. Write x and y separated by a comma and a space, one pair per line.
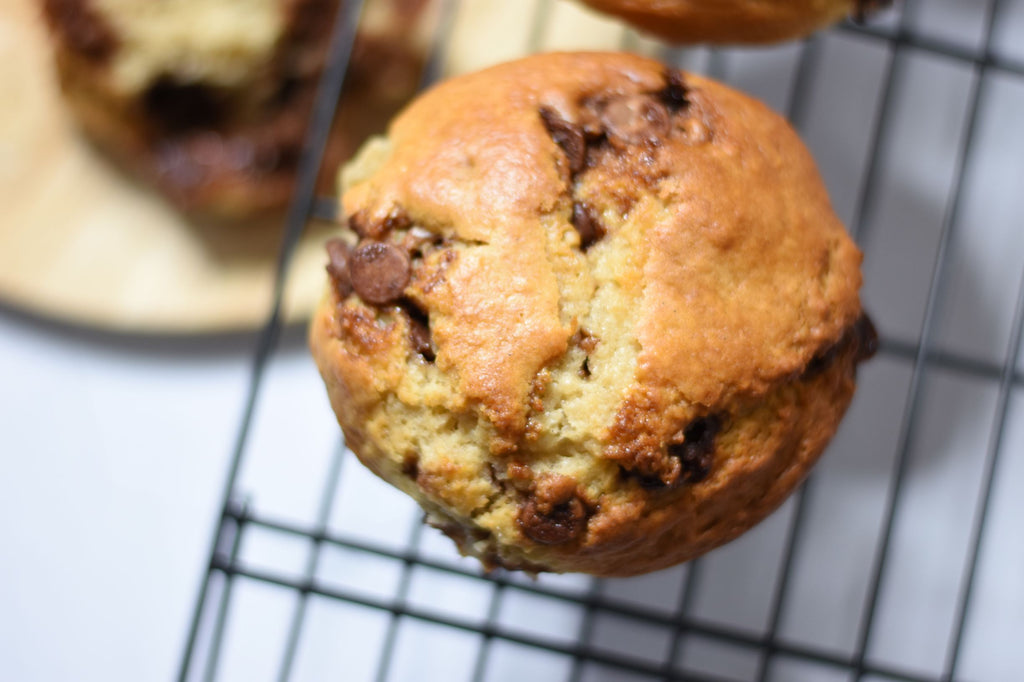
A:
80, 241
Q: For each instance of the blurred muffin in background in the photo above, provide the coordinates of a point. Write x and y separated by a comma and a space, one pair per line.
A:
734, 21
209, 100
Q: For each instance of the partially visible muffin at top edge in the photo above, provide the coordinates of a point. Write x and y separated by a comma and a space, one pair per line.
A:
734, 21
209, 100
592, 313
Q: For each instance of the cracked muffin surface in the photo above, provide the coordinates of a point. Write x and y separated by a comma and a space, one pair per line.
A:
592, 313
734, 21
209, 100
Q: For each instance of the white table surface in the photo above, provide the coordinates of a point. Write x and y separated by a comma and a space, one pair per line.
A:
113, 454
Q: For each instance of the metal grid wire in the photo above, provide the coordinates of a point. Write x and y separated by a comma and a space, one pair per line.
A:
656, 638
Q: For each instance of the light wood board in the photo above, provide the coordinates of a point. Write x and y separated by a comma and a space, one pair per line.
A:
80, 241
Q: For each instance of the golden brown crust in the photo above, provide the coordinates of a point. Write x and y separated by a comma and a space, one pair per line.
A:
730, 21
229, 148
635, 350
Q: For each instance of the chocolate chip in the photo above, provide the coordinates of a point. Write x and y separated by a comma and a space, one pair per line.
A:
673, 95
379, 271
586, 222
179, 107
861, 333
419, 330
585, 340
411, 465
554, 524
566, 135
84, 29
696, 452
635, 119
554, 513
821, 362
867, 337
339, 254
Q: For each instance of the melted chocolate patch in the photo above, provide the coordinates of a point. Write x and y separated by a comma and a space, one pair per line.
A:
419, 330
867, 337
554, 525
586, 222
411, 465
568, 136
555, 514
82, 27
862, 333
380, 272
635, 119
673, 95
696, 452
587, 342
180, 107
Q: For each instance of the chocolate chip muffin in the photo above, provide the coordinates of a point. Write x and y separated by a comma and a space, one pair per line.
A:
733, 21
209, 99
592, 313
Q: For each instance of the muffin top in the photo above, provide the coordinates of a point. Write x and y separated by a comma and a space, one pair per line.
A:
576, 289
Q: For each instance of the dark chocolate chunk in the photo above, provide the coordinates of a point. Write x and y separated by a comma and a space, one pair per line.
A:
862, 334
379, 271
337, 268
696, 452
411, 465
587, 224
585, 368
419, 330
674, 94
554, 524
82, 27
419, 337
822, 361
566, 135
635, 119
867, 337
179, 107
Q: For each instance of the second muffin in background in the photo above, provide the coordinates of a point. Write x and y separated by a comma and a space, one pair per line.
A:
733, 21
208, 100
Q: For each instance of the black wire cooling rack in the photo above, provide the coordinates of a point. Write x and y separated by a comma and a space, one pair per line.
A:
896, 561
